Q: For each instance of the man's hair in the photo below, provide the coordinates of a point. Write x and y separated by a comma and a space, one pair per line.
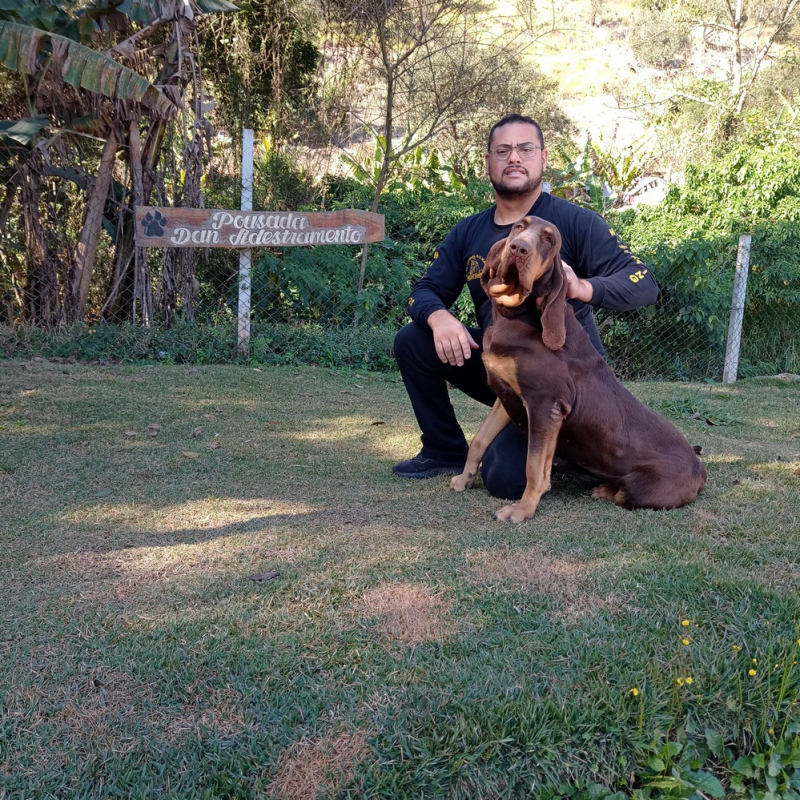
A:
508, 119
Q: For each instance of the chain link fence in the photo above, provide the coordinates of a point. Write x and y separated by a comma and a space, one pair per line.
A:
299, 290
305, 307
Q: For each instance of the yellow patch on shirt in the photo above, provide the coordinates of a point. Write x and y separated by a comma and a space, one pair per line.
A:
474, 267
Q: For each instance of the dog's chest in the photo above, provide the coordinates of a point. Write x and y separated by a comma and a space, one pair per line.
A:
501, 354
503, 369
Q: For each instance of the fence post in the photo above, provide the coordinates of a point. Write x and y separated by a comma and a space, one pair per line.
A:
737, 310
245, 256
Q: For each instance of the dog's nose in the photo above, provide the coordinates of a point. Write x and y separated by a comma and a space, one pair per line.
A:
519, 247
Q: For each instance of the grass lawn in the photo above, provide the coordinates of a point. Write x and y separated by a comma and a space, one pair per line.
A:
401, 643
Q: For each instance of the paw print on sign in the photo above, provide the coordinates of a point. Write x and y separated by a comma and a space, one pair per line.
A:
154, 223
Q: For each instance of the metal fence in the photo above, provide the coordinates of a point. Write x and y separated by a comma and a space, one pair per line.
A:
305, 306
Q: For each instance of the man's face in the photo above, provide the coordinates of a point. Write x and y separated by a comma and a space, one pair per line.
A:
515, 176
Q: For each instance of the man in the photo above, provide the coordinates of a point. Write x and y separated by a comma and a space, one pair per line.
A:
435, 348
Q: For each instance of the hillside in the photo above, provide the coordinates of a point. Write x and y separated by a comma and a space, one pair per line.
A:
588, 57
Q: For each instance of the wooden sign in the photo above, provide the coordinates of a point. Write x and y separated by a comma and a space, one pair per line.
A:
202, 227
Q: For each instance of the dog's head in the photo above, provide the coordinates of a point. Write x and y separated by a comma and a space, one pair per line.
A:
526, 265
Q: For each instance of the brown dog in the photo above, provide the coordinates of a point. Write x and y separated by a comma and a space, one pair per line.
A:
552, 383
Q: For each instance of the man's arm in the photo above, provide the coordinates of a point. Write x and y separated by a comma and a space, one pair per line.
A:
608, 275
431, 297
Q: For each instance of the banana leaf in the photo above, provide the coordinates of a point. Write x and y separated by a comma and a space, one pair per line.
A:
147, 11
21, 132
22, 45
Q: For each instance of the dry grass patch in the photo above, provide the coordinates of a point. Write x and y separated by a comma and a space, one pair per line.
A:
311, 767
780, 577
410, 612
93, 708
125, 574
223, 714
529, 570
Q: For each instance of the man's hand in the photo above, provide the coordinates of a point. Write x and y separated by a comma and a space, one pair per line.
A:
453, 343
577, 288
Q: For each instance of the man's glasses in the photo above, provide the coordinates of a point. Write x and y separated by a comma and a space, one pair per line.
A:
526, 150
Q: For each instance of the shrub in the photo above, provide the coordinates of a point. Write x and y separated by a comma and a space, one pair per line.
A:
188, 343
690, 242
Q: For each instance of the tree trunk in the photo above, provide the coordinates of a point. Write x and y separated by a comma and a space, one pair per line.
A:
385, 164
362, 271
120, 301
142, 288
78, 290
42, 306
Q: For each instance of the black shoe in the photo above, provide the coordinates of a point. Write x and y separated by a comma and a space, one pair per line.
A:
420, 467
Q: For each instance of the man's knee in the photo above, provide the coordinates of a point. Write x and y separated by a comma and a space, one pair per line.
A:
503, 468
410, 341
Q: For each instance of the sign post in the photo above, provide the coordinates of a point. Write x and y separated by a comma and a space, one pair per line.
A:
245, 229
209, 227
245, 255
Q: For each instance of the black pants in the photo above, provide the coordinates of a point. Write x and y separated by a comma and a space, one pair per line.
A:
426, 378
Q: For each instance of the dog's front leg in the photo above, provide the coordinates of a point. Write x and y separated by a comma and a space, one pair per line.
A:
497, 420
541, 449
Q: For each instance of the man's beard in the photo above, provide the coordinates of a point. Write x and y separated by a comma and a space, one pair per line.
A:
508, 192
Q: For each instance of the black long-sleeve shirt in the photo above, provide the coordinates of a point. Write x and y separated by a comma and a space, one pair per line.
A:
619, 279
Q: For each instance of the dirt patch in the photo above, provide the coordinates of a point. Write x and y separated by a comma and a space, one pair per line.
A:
314, 766
410, 612
561, 580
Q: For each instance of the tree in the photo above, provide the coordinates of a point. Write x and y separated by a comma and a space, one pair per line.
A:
89, 91
35, 41
423, 66
740, 47
264, 65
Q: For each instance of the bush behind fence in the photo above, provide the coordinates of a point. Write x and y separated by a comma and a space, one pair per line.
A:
306, 307
305, 304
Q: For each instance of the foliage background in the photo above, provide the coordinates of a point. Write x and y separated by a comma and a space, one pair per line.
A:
315, 100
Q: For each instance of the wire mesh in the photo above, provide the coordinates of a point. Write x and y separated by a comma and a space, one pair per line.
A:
305, 305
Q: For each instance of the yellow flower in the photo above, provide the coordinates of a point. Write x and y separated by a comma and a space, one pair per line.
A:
689, 681
634, 692
736, 647
685, 623
679, 681
685, 640
771, 731
751, 672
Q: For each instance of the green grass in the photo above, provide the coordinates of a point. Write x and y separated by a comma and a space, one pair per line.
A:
410, 646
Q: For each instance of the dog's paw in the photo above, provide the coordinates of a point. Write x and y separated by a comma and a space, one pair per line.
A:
606, 491
462, 482
513, 513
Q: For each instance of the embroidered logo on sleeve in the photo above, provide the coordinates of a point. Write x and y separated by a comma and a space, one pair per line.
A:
638, 275
474, 267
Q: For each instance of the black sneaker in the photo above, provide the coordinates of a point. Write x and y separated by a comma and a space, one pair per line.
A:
420, 467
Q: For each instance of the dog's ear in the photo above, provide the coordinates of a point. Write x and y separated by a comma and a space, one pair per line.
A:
493, 261
553, 309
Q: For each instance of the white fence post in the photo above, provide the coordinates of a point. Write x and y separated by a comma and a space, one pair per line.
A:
737, 310
245, 256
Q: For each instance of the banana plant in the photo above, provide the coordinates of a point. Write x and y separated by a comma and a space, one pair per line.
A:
97, 48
